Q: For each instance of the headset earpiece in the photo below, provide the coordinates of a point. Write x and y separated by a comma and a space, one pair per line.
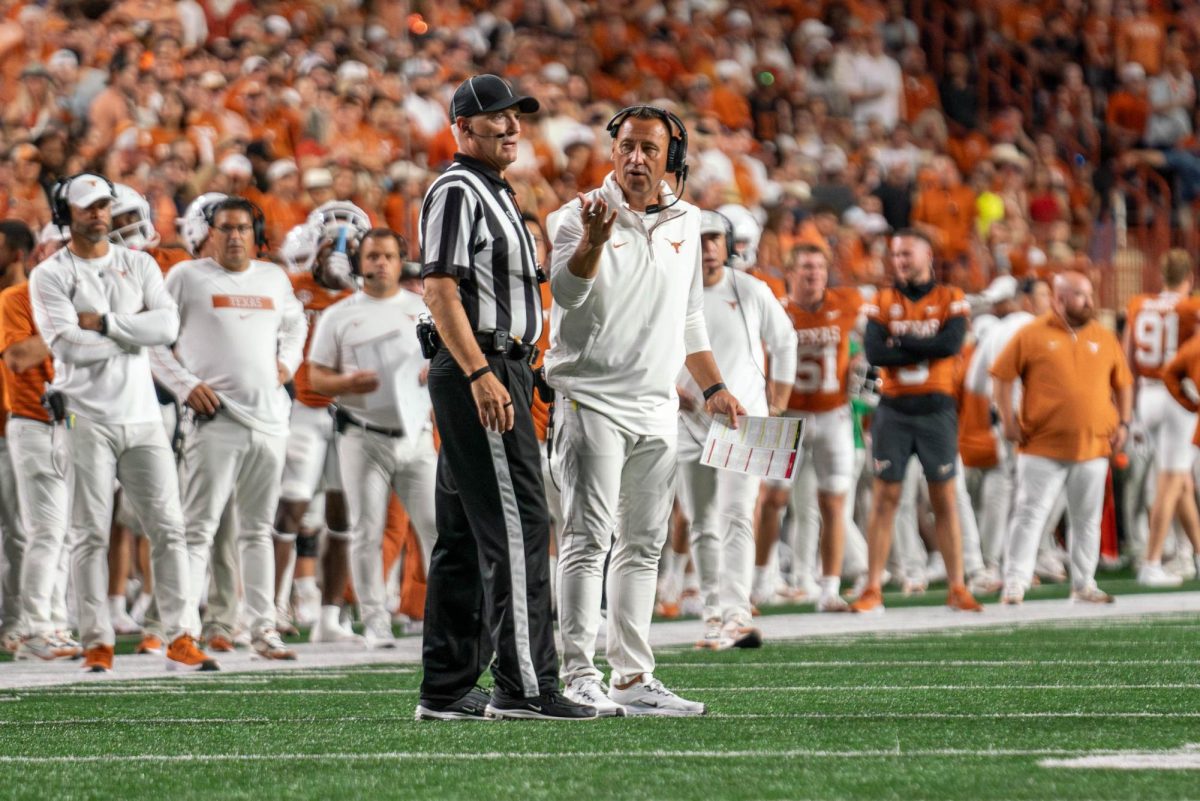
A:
258, 219
676, 133
60, 207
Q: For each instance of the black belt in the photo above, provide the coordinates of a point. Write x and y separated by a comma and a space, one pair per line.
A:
501, 343
394, 433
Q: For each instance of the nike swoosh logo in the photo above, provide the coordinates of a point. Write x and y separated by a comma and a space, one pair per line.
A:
619, 245
535, 707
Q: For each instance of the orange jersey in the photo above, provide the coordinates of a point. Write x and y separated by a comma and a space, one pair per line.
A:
976, 440
923, 317
168, 257
778, 288
1156, 326
315, 299
541, 410
1186, 364
823, 350
24, 389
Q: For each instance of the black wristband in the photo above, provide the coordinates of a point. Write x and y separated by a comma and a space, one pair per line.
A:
478, 374
713, 390
104, 325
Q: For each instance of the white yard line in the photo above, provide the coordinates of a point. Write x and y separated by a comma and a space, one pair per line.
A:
983, 663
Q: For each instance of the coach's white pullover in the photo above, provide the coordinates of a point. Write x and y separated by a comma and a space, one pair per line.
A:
979, 378
106, 378
618, 341
743, 316
234, 327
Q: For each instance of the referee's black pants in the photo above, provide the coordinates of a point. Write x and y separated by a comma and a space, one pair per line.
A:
488, 589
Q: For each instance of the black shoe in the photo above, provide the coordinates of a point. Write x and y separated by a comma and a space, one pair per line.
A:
548, 706
470, 707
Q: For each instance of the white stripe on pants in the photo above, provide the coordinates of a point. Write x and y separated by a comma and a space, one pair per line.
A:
720, 506
223, 461
610, 476
40, 467
373, 465
13, 533
139, 455
1039, 483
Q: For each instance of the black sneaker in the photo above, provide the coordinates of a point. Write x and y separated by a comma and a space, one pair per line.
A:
548, 706
470, 707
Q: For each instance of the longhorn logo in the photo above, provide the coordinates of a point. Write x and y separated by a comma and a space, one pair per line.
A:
676, 245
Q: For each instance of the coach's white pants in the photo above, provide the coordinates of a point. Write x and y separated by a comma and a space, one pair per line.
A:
39, 464
13, 534
991, 496
909, 556
610, 477
139, 456
719, 505
373, 466
223, 461
1039, 483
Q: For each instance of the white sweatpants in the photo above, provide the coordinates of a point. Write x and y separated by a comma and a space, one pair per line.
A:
719, 505
139, 455
13, 535
1039, 483
991, 496
610, 478
39, 464
224, 460
373, 466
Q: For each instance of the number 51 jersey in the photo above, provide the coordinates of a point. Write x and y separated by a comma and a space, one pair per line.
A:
923, 318
823, 350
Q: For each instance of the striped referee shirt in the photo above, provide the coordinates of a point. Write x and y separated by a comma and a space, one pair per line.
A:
471, 229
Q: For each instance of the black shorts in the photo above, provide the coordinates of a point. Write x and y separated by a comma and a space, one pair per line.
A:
896, 436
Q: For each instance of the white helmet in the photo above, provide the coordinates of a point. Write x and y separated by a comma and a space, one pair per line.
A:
746, 232
336, 218
299, 249
139, 234
193, 225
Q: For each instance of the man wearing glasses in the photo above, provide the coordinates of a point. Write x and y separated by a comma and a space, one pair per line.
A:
241, 337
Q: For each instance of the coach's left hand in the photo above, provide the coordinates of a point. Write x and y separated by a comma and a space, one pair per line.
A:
723, 402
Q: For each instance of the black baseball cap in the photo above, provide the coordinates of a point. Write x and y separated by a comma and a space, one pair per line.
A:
485, 94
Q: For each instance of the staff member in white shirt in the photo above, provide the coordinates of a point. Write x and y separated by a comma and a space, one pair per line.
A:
241, 337
100, 307
742, 315
365, 354
628, 314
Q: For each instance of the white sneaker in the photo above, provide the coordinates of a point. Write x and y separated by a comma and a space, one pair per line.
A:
1091, 594
322, 631
47, 648
985, 581
1154, 575
935, 570
138, 610
1049, 567
593, 692
66, 640
690, 603
914, 585
650, 697
1013, 595
307, 605
832, 602
122, 623
378, 634
714, 636
269, 645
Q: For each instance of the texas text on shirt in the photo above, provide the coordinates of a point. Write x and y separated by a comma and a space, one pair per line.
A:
105, 377
235, 327
926, 325
614, 344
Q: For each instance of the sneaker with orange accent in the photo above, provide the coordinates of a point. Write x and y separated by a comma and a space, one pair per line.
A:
869, 602
960, 599
184, 654
667, 609
219, 643
150, 644
98, 659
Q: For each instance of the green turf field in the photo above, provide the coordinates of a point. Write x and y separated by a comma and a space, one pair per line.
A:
966, 714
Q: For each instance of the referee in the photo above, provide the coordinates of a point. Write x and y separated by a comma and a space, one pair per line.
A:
489, 579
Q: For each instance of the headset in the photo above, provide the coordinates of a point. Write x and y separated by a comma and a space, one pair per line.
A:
60, 207
676, 148
235, 202
730, 252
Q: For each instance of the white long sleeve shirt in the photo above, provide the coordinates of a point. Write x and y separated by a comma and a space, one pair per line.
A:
106, 378
365, 333
234, 329
743, 316
979, 378
617, 341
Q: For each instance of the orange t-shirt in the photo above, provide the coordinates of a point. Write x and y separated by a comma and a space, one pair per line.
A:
823, 350
1128, 112
1069, 376
24, 390
924, 318
952, 211
976, 440
1186, 364
168, 257
1142, 39
315, 299
920, 94
1157, 325
540, 410
776, 284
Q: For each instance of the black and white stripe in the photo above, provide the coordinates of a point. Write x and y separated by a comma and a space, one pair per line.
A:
471, 229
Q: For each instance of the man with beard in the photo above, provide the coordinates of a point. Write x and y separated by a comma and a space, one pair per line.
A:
1075, 413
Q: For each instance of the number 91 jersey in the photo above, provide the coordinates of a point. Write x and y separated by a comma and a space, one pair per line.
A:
823, 350
1158, 325
922, 318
